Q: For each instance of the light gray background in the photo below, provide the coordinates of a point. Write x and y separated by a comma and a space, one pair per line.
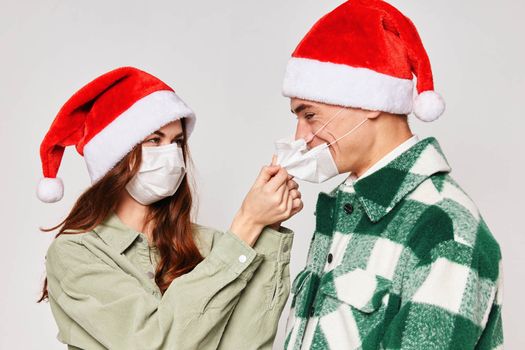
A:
226, 59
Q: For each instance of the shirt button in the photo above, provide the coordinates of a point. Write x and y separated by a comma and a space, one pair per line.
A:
349, 208
285, 248
150, 274
330, 258
242, 258
312, 310
140, 239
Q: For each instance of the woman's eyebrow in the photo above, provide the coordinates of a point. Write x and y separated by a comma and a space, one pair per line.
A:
179, 135
161, 134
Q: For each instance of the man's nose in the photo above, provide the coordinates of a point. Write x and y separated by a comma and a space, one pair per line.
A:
303, 131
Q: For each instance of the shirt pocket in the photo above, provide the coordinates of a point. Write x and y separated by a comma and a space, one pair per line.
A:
299, 281
302, 290
300, 297
361, 289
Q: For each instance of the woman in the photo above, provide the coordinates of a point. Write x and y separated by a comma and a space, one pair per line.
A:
128, 269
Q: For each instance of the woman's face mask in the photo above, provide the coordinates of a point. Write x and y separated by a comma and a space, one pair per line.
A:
315, 165
160, 174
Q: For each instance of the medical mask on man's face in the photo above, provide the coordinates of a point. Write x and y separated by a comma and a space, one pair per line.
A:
160, 174
315, 165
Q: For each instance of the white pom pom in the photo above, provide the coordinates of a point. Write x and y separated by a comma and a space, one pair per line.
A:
50, 190
428, 106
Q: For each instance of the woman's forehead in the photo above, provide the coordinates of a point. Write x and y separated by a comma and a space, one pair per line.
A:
172, 128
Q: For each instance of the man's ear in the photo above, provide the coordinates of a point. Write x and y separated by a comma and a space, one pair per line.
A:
372, 114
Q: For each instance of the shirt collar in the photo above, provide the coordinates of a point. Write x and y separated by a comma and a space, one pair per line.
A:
352, 178
380, 190
115, 233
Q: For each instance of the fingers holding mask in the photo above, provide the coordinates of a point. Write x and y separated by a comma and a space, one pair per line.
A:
271, 200
284, 192
295, 194
292, 184
275, 183
294, 199
294, 188
297, 206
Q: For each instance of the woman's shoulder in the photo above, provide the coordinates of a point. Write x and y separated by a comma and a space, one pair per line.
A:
204, 237
66, 241
68, 250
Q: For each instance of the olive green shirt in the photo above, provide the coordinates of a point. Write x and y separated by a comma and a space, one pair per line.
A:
103, 295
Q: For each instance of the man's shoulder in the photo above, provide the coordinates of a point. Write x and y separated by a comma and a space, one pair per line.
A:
443, 191
447, 204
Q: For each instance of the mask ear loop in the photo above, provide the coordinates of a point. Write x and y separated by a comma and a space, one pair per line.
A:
349, 132
328, 122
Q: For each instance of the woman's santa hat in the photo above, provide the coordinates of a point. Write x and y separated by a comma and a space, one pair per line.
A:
363, 54
104, 120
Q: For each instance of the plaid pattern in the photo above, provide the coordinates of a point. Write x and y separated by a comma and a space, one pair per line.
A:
401, 259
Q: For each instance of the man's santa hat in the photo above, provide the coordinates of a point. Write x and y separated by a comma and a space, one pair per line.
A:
104, 120
364, 54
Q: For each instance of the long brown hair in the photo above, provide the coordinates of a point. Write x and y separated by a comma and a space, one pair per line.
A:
171, 217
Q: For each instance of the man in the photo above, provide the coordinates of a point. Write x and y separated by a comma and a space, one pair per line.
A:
400, 257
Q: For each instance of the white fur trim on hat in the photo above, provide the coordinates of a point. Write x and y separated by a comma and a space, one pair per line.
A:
428, 106
50, 190
343, 85
145, 116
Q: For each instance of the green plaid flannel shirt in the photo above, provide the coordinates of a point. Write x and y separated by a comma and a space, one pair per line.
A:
401, 259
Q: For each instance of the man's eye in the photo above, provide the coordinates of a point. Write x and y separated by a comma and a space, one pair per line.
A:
309, 116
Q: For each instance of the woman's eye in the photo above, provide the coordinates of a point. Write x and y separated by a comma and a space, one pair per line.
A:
154, 140
179, 142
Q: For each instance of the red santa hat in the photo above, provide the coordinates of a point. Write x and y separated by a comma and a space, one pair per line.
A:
364, 54
104, 120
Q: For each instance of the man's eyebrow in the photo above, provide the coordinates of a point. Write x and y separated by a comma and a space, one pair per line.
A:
301, 107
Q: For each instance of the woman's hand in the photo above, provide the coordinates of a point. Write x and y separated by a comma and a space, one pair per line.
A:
269, 201
297, 203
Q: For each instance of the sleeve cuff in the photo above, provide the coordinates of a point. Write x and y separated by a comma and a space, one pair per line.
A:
275, 245
242, 259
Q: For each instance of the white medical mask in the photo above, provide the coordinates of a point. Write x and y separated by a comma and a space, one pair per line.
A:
160, 174
316, 165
